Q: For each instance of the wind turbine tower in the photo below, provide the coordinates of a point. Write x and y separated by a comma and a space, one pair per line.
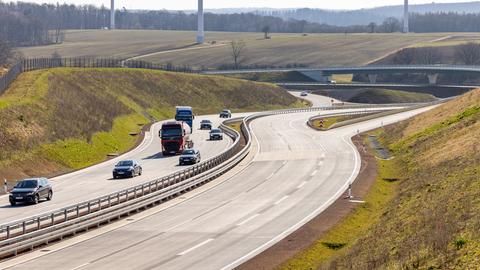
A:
200, 33
112, 14
405, 17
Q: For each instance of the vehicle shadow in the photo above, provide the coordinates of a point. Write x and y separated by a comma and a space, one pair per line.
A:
158, 155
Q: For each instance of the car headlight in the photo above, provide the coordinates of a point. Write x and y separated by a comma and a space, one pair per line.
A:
30, 193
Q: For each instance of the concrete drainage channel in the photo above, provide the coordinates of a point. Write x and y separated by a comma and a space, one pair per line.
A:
37, 231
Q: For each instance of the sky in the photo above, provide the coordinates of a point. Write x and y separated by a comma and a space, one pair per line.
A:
212, 4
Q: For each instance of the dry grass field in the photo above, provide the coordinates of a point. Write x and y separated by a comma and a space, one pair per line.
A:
178, 47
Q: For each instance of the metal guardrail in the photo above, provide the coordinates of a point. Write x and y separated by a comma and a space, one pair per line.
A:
30, 232
366, 112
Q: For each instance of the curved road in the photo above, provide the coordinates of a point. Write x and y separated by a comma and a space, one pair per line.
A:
97, 181
295, 174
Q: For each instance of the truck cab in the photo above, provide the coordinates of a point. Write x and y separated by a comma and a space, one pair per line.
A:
175, 137
185, 114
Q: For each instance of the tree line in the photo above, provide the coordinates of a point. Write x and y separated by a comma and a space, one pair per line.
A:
29, 24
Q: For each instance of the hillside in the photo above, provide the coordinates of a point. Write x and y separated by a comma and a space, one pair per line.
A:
377, 96
56, 120
432, 223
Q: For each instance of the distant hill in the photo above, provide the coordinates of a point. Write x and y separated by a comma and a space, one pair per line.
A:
353, 17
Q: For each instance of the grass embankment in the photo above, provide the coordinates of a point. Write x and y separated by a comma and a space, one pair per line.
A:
330, 121
292, 76
57, 120
357, 223
377, 96
431, 223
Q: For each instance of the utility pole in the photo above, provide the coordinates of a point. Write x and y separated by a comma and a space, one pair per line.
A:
405, 18
200, 33
112, 15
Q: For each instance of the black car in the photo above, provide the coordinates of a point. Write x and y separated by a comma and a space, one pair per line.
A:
226, 114
189, 156
216, 134
127, 168
31, 191
206, 124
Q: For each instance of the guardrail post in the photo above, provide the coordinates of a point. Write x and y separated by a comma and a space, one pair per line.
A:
135, 192
109, 201
38, 223
78, 210
24, 229
8, 232
143, 190
89, 207
118, 198
52, 217
99, 204
65, 214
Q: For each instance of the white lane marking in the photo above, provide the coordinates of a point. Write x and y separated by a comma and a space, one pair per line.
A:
314, 172
80, 266
301, 185
284, 162
195, 247
305, 219
248, 219
320, 163
270, 176
281, 200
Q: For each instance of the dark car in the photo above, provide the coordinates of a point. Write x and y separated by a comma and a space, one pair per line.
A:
216, 134
206, 124
226, 114
31, 191
189, 156
127, 168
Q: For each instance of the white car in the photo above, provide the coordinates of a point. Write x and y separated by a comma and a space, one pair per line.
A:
304, 94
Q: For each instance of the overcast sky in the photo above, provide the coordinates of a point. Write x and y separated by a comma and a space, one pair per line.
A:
210, 4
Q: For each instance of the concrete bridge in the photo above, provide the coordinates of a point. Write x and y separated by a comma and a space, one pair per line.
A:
325, 74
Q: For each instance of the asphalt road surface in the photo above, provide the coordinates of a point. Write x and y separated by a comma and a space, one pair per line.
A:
295, 174
96, 181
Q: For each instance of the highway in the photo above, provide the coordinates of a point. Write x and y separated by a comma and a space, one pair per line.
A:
96, 181
293, 174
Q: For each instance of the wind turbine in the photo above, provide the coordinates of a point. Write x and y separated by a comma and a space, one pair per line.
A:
405, 17
112, 14
200, 32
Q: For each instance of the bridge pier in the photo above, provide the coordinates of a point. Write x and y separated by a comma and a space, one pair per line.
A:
432, 78
372, 78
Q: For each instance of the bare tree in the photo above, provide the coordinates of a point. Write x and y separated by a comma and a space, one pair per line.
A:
5, 52
238, 48
391, 25
468, 54
427, 56
266, 31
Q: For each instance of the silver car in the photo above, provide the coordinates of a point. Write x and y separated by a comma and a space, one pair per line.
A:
189, 156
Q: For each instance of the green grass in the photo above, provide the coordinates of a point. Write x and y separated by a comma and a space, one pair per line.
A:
329, 121
352, 227
62, 119
377, 96
431, 223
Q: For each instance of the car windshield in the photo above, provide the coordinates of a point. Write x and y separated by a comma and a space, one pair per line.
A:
206, 121
171, 132
216, 131
188, 152
226, 111
125, 163
27, 184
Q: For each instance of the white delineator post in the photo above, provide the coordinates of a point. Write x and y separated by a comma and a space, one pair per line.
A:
112, 14
405, 17
200, 33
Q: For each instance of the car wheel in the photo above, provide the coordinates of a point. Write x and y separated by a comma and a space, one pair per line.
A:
50, 195
140, 172
114, 176
36, 200
12, 203
132, 174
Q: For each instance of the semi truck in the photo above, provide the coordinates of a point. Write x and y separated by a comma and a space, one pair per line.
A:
185, 114
175, 137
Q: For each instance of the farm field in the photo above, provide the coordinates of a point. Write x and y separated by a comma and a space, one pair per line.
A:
178, 47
